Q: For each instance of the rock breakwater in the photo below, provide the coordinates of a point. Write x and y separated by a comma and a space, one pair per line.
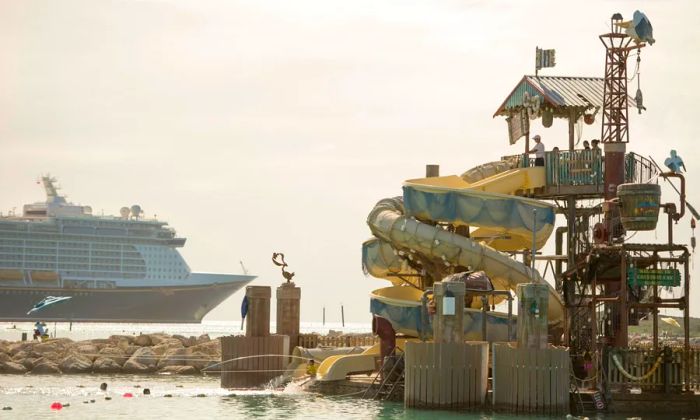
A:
146, 353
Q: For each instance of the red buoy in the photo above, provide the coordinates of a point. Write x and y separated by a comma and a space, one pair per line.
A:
56, 406
128, 395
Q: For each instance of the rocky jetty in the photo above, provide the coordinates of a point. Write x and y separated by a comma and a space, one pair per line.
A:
147, 353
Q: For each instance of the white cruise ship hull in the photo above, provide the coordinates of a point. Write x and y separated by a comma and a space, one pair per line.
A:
164, 304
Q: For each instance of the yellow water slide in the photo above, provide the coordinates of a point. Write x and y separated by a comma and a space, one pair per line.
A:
405, 229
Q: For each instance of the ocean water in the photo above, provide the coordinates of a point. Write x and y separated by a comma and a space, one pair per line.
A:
31, 397
89, 330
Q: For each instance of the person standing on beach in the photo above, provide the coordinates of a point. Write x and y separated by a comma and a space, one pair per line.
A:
538, 150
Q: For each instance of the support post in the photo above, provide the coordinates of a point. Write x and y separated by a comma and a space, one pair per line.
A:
288, 312
623, 308
258, 319
432, 171
449, 316
532, 315
686, 322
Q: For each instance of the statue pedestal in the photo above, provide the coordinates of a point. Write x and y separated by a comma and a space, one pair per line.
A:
288, 312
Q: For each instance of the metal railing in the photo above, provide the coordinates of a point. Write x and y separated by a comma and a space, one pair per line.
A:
585, 167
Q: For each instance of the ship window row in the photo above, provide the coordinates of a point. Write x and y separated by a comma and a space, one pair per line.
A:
69, 260
67, 252
90, 238
40, 251
38, 265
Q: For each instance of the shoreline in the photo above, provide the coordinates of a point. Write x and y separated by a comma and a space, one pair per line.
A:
156, 353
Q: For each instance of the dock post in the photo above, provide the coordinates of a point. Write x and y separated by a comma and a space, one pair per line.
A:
532, 315
449, 317
288, 312
258, 319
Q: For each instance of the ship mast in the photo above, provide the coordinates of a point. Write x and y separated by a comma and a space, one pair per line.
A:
51, 189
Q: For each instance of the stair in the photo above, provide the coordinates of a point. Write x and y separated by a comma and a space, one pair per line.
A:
390, 378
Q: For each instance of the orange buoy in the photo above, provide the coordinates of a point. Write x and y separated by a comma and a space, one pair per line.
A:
56, 406
128, 395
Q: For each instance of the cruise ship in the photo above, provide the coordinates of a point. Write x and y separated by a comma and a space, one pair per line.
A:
115, 268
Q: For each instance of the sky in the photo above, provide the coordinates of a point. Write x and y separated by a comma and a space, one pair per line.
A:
255, 127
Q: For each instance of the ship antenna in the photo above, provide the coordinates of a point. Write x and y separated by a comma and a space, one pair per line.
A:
245, 271
49, 187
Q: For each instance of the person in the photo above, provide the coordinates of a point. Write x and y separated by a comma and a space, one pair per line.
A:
594, 143
538, 150
311, 368
39, 330
586, 145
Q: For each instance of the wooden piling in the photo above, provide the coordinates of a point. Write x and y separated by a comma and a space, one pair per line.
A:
446, 375
527, 380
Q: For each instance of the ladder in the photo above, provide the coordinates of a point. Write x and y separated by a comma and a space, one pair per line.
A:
393, 379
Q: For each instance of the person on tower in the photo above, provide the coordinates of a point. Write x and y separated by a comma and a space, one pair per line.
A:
538, 150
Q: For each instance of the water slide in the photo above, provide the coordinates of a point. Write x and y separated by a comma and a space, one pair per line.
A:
405, 228
407, 235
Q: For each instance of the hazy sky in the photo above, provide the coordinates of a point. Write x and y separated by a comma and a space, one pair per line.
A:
255, 126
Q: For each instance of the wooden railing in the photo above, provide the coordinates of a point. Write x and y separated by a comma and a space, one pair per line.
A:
638, 362
311, 341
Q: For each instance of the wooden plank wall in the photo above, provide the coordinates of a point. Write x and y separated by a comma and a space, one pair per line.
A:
528, 380
446, 375
252, 372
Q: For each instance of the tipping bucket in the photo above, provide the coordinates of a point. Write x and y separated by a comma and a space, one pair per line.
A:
639, 205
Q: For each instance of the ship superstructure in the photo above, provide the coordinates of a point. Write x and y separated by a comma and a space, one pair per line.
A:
58, 247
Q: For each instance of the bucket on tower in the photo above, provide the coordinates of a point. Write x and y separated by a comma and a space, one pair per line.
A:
639, 205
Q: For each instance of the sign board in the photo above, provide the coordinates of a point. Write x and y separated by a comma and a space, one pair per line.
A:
518, 126
448, 305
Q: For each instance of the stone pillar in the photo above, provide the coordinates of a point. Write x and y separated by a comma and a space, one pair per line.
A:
258, 320
533, 299
288, 312
449, 315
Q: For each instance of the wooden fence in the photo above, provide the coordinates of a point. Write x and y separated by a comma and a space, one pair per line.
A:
311, 341
251, 362
638, 362
527, 380
448, 376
